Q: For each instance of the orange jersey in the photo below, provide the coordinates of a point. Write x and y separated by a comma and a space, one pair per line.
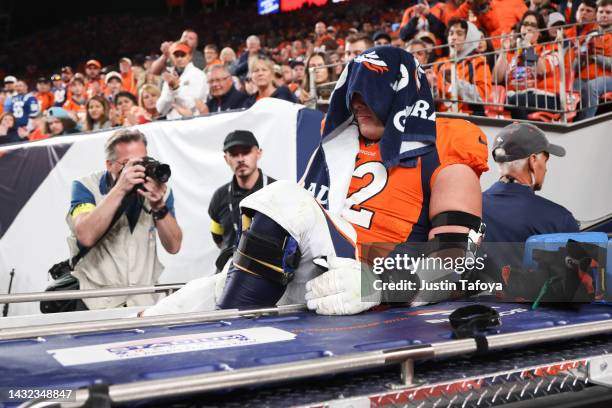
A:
522, 76
45, 100
80, 110
387, 204
599, 46
473, 70
95, 87
128, 82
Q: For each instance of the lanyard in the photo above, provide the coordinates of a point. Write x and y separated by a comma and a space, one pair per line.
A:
231, 206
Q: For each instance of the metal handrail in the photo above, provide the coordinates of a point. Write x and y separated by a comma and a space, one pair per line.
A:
180, 386
564, 92
139, 322
89, 293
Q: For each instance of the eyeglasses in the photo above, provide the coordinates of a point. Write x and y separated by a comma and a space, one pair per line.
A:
528, 24
179, 54
218, 81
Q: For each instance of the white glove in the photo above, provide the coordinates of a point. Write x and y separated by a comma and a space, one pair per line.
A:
198, 295
338, 291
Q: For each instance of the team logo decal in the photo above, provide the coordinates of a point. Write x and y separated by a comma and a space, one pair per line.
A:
372, 62
403, 81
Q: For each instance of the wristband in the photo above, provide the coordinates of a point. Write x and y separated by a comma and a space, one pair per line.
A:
160, 214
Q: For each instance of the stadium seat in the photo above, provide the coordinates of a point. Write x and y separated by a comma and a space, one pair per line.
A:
607, 97
571, 105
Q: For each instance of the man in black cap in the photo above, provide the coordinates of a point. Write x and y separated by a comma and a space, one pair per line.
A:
241, 154
511, 210
381, 38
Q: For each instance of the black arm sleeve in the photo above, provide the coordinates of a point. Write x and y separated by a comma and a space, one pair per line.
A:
409, 30
436, 26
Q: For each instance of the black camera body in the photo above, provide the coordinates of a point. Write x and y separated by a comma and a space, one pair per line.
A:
156, 170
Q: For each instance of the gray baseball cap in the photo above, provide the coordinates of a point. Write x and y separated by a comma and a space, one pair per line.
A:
519, 140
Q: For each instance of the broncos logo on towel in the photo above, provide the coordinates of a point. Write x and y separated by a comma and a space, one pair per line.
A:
372, 62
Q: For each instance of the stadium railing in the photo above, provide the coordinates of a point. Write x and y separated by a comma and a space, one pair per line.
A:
569, 68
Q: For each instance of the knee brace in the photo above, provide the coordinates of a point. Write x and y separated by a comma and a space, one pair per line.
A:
262, 266
266, 252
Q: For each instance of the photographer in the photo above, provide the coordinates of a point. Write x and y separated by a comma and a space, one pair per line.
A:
116, 213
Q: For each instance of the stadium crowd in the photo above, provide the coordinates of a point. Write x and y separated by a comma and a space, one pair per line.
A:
502, 58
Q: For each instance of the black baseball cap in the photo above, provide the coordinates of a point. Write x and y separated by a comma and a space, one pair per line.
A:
43, 80
295, 62
519, 140
239, 138
381, 34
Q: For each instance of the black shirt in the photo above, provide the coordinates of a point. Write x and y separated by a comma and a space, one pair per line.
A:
224, 210
233, 99
512, 212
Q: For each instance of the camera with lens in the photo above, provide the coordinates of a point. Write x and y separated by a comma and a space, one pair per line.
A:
158, 171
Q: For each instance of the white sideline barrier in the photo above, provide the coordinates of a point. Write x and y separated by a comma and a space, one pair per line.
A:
193, 148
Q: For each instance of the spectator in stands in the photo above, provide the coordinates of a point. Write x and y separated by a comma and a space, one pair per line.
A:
555, 20
261, 71
320, 31
67, 75
39, 123
223, 94
189, 37
8, 129
59, 90
585, 17
321, 76
430, 42
124, 113
298, 73
128, 76
59, 122
530, 72
511, 210
8, 91
241, 152
421, 18
228, 56
381, 38
44, 96
98, 114
114, 83
355, 45
471, 80
147, 100
9, 87
75, 104
143, 214
487, 51
493, 17
595, 77
183, 85
418, 48
23, 105
253, 50
94, 85
2, 98
211, 55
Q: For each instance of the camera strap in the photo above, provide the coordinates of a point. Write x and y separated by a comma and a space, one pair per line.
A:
84, 250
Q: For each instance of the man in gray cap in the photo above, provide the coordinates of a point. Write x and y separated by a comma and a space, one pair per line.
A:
511, 210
